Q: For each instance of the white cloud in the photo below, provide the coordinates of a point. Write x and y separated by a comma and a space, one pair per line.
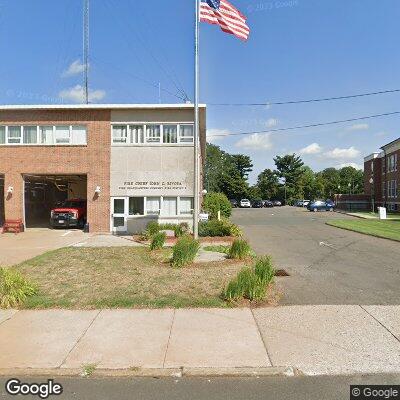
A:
343, 154
313, 148
380, 134
76, 94
358, 127
351, 164
74, 69
271, 122
213, 135
255, 141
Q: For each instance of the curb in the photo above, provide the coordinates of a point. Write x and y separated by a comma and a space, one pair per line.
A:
155, 372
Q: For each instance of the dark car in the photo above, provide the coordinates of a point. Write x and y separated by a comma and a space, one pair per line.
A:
257, 204
299, 203
268, 204
234, 203
71, 213
320, 205
277, 203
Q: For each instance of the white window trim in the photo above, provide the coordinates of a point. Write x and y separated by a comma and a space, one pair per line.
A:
38, 141
145, 214
144, 124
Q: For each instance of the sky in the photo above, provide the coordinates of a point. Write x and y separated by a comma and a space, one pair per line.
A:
298, 49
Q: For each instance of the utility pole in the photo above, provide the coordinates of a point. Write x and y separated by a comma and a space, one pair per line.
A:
196, 122
86, 19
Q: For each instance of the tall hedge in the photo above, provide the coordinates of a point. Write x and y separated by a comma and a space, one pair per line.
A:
214, 202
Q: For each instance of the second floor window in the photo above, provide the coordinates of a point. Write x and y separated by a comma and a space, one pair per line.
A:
43, 135
137, 134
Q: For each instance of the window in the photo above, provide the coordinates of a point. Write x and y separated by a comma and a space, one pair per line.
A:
136, 205
383, 189
46, 134
170, 133
395, 162
119, 134
30, 134
2, 134
153, 133
169, 206
186, 205
62, 135
79, 135
137, 134
186, 134
14, 134
153, 205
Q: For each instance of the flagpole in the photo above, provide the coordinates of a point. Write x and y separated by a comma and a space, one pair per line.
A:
196, 123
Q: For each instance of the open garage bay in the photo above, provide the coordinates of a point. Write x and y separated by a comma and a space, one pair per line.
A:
45, 192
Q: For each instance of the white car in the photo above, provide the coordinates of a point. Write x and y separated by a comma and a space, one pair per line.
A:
245, 203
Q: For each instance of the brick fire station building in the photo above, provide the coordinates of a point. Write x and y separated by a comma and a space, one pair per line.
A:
382, 176
132, 163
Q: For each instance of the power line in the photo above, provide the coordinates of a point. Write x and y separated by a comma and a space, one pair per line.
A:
280, 103
311, 125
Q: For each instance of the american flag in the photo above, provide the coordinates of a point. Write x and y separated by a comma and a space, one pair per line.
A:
224, 14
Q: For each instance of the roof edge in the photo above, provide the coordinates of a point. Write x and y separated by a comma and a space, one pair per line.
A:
97, 106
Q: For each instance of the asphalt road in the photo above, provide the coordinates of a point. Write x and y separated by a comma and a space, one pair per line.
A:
326, 265
276, 388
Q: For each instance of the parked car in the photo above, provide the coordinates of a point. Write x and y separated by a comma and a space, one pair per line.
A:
299, 203
277, 203
330, 203
245, 203
320, 205
234, 203
71, 213
268, 203
306, 203
258, 204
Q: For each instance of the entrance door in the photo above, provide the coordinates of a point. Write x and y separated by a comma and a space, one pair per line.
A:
119, 213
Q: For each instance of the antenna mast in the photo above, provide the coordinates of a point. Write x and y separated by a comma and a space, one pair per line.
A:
86, 49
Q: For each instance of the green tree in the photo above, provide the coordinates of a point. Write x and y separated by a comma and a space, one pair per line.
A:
351, 180
267, 183
290, 167
243, 164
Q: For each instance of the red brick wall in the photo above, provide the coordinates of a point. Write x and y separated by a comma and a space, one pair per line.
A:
92, 160
376, 174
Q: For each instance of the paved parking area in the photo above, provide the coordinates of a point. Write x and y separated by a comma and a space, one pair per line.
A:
35, 241
327, 265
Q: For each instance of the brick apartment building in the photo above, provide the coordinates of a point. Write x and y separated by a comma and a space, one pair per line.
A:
132, 163
382, 176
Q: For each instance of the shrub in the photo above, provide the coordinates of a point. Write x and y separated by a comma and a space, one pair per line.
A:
158, 240
246, 285
218, 228
239, 250
184, 251
214, 202
264, 269
14, 288
153, 227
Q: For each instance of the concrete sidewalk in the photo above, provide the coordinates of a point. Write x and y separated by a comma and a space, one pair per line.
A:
311, 339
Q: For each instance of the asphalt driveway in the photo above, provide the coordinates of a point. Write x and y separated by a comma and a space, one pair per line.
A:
327, 265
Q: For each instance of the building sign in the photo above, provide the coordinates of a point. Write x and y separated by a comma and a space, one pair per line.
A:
153, 185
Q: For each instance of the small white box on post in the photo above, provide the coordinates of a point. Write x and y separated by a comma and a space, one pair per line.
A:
382, 212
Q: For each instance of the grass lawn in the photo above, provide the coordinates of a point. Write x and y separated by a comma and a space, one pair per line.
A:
384, 229
123, 277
